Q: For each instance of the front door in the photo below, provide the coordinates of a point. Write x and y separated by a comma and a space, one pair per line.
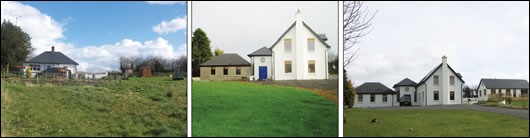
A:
262, 72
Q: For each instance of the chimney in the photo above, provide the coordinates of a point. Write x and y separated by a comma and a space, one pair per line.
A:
53, 48
444, 59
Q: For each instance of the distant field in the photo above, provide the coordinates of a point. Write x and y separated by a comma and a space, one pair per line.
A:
136, 107
432, 123
246, 109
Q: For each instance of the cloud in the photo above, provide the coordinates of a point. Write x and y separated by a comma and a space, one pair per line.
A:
166, 2
46, 32
174, 25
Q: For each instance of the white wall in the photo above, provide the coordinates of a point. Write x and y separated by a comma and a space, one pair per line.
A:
257, 63
299, 55
443, 93
377, 103
43, 67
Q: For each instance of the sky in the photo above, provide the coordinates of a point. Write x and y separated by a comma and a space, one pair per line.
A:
244, 27
480, 40
96, 34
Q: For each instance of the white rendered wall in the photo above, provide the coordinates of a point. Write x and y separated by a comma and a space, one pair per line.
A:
257, 63
377, 103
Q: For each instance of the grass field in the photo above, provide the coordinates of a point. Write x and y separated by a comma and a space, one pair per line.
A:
136, 107
432, 123
245, 109
520, 104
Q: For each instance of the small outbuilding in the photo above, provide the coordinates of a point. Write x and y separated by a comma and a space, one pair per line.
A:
226, 67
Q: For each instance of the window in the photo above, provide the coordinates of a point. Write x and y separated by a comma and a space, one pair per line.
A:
452, 96
311, 66
384, 98
212, 71
436, 81
311, 44
372, 97
288, 65
360, 98
407, 89
508, 92
225, 71
35, 67
493, 91
287, 44
436, 96
480, 92
452, 80
238, 70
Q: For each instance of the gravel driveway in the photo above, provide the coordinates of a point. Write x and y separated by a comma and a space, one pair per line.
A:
514, 112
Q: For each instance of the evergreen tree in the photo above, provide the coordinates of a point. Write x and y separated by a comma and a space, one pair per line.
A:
16, 46
201, 50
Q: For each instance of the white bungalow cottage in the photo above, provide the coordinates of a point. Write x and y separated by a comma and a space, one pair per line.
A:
374, 94
441, 86
51, 59
299, 54
502, 87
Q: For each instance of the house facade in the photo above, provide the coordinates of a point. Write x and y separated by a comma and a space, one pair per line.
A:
374, 94
51, 59
441, 86
225, 67
298, 54
502, 87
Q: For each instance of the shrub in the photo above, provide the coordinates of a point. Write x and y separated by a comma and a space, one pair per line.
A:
509, 100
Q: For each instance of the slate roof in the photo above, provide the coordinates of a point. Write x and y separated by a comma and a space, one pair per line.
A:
319, 36
50, 57
373, 88
227, 59
406, 82
505, 83
459, 76
264, 51
323, 36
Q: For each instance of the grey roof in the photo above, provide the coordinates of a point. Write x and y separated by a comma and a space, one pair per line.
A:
505, 83
373, 88
459, 76
50, 57
317, 35
323, 36
406, 82
227, 59
264, 51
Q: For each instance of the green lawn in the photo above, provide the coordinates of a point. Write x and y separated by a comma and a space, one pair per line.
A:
245, 109
138, 107
432, 123
522, 104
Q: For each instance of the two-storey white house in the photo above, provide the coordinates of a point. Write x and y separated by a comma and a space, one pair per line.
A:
502, 87
441, 86
51, 59
299, 54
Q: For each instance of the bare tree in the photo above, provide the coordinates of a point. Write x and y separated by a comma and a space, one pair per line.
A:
357, 23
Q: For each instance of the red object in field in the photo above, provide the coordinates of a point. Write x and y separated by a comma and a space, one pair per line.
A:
20, 67
61, 70
146, 72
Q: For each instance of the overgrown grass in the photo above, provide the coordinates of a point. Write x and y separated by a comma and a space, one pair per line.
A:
136, 107
244, 109
432, 123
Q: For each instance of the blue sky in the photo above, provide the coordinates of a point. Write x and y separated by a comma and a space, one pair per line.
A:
100, 22
96, 34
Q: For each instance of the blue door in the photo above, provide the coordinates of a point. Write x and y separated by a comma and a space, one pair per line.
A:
262, 72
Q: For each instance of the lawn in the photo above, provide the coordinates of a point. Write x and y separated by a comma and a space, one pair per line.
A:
432, 123
519, 104
137, 107
246, 109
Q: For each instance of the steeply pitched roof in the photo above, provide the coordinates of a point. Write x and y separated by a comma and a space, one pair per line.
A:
311, 30
459, 76
505, 83
264, 51
227, 59
49, 57
373, 88
406, 82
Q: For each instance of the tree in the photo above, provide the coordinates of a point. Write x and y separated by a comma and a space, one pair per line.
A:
218, 52
333, 64
16, 46
357, 23
201, 50
349, 92
468, 92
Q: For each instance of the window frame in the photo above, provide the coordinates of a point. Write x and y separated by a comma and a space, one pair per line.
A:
212, 71
290, 63
451, 80
372, 98
360, 98
238, 71
436, 95
225, 71
452, 95
436, 80
385, 98
309, 66
309, 48
290, 44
